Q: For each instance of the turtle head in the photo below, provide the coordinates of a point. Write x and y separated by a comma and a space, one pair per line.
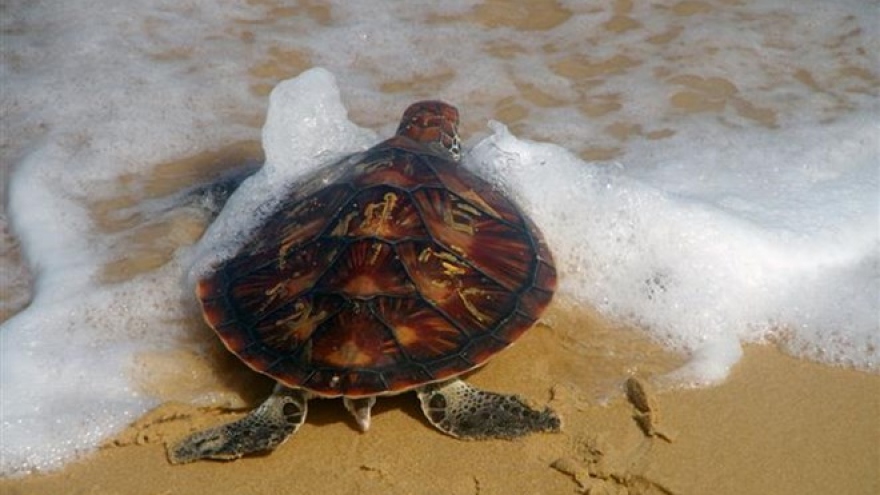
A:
433, 124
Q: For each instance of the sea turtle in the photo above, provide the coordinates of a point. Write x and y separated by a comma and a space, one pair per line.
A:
395, 269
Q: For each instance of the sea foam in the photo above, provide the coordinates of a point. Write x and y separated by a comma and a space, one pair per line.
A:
707, 257
306, 127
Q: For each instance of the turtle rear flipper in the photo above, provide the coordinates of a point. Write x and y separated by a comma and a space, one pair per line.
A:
464, 411
263, 429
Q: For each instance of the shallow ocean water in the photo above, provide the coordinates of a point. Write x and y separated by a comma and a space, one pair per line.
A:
706, 171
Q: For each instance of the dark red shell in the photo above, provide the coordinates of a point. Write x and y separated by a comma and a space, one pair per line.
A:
406, 269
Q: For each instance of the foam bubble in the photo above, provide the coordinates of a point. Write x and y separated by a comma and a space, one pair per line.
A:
66, 368
306, 127
704, 259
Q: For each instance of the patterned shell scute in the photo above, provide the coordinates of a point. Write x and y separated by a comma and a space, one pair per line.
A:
407, 269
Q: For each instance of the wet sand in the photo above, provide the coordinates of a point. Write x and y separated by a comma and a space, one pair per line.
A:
778, 425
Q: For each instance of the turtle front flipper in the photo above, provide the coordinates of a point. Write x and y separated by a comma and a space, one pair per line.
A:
464, 411
263, 429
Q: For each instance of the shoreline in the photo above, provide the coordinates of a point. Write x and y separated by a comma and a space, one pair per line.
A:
778, 424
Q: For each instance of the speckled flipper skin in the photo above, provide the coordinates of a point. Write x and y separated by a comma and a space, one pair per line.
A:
263, 429
464, 411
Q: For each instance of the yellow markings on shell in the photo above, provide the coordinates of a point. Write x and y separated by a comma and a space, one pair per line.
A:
451, 265
468, 208
279, 287
377, 250
286, 245
428, 252
293, 231
452, 270
293, 236
477, 200
272, 294
460, 216
343, 227
465, 294
300, 310
302, 322
378, 214
425, 255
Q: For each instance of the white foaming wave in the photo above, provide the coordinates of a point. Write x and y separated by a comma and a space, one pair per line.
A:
306, 127
95, 110
66, 371
798, 265
66, 359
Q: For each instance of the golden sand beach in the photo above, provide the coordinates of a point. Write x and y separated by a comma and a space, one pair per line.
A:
778, 425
